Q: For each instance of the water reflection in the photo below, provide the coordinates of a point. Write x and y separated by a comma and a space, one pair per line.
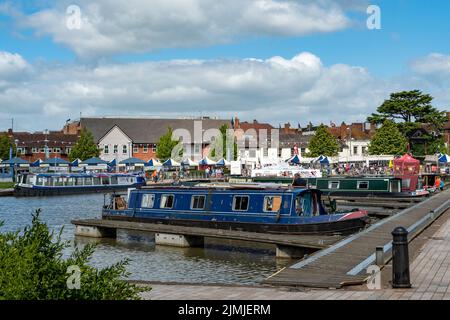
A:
218, 262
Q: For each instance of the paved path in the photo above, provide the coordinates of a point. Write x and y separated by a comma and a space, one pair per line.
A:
430, 276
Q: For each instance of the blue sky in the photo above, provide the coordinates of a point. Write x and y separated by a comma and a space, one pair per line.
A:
396, 57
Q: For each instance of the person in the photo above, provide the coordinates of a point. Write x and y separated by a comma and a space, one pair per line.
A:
298, 181
442, 185
437, 183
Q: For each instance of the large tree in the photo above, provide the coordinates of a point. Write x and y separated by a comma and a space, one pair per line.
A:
388, 140
85, 147
166, 145
5, 145
226, 138
323, 143
411, 110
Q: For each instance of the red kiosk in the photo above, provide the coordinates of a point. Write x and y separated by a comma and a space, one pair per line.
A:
408, 169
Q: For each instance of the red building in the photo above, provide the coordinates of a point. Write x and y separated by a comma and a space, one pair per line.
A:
33, 146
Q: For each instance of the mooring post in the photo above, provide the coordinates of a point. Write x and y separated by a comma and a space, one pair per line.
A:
400, 259
379, 256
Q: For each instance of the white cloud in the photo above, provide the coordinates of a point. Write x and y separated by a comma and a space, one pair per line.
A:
299, 89
434, 64
116, 26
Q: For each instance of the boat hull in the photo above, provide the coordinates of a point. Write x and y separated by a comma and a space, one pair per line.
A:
60, 191
342, 227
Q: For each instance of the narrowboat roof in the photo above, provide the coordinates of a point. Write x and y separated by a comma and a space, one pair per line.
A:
234, 188
81, 175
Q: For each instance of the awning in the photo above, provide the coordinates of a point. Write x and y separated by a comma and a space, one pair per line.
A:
171, 163
206, 162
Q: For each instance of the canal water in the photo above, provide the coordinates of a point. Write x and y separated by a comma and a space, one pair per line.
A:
227, 262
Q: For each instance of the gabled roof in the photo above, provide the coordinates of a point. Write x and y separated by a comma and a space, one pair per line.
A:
146, 130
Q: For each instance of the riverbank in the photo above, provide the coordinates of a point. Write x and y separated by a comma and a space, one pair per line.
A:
6, 185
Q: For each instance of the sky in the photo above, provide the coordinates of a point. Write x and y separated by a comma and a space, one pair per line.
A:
275, 61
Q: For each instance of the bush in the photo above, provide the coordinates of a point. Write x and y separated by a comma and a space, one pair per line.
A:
32, 268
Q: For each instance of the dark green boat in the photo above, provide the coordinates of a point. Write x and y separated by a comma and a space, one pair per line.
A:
361, 186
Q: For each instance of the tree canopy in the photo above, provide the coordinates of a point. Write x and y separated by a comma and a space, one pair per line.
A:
388, 140
410, 111
32, 268
166, 145
5, 145
85, 147
323, 143
226, 138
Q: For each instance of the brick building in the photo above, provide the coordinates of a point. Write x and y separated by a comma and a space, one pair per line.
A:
33, 146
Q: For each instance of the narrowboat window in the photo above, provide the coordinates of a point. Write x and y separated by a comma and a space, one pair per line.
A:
147, 200
49, 182
59, 182
198, 202
307, 204
363, 185
105, 180
114, 180
272, 203
70, 182
333, 184
88, 182
79, 181
240, 203
96, 181
39, 181
167, 201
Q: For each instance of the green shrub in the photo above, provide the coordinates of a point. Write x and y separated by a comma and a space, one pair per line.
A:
32, 268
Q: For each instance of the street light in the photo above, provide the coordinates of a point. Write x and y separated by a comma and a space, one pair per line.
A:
16, 142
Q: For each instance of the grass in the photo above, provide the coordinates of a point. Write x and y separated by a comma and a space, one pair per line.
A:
6, 185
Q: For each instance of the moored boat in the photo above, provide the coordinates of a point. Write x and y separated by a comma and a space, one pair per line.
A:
254, 208
51, 184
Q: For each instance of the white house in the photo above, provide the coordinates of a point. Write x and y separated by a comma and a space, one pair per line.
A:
115, 144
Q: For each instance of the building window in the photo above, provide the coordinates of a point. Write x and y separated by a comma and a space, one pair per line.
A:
240, 203
265, 152
20, 151
145, 148
154, 148
115, 149
42, 150
68, 150
135, 148
363, 150
57, 150
252, 153
302, 151
106, 149
124, 149
355, 150
34, 150
197, 149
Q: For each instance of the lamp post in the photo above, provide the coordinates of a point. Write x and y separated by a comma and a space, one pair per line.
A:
16, 142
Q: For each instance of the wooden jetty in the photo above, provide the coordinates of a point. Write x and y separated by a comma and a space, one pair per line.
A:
287, 246
346, 262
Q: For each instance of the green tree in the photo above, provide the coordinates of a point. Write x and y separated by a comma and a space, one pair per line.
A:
225, 138
410, 110
323, 143
166, 145
85, 147
388, 140
5, 145
32, 268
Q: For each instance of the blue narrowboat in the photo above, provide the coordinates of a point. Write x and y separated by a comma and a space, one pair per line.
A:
51, 184
273, 209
